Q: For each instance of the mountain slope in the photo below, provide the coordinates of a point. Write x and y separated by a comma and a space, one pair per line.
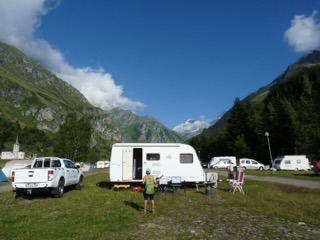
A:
142, 129
307, 61
35, 97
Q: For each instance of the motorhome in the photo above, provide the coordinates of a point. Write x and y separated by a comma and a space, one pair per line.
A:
291, 162
129, 162
222, 162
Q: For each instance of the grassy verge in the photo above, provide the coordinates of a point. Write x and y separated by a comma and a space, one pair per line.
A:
266, 211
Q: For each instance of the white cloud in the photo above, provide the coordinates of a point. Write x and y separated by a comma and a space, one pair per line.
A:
304, 33
18, 22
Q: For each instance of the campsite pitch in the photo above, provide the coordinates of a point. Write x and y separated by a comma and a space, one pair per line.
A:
265, 211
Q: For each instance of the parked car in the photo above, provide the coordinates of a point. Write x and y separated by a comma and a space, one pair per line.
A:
204, 164
227, 163
248, 163
223, 161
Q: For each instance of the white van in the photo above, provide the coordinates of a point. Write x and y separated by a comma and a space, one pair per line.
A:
222, 162
291, 162
248, 163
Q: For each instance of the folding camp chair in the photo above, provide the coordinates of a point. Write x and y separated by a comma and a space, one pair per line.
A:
237, 183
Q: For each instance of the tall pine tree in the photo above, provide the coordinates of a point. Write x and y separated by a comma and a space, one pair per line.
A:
73, 138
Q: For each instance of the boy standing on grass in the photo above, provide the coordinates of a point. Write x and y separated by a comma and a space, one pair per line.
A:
149, 183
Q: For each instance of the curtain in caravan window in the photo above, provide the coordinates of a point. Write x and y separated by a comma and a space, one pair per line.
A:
153, 156
186, 158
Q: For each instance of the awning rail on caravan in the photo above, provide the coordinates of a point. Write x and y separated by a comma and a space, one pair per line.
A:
129, 162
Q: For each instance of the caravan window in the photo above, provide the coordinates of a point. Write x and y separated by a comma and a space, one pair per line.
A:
186, 158
287, 162
153, 156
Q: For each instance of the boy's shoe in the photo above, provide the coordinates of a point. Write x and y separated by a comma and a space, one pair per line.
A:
153, 211
144, 211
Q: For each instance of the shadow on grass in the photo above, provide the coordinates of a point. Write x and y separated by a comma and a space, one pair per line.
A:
105, 184
134, 205
39, 194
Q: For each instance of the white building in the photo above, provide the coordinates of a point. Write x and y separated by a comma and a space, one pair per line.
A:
15, 153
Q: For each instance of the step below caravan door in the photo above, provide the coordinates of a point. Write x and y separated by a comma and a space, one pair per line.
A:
127, 164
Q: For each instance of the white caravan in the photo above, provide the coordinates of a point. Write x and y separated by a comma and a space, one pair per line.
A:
102, 164
291, 162
169, 161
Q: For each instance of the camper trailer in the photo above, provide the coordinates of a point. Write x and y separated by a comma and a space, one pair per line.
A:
102, 164
169, 161
291, 162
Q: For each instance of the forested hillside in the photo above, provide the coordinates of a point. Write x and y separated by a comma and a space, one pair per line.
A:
290, 113
35, 105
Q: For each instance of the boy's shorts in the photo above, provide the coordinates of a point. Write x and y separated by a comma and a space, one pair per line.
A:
148, 196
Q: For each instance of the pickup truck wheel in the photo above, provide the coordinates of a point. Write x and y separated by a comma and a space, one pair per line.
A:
59, 189
80, 183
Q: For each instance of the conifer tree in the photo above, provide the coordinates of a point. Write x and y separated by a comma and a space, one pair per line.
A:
73, 138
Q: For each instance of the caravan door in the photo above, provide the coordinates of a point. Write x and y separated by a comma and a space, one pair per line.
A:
132, 164
127, 164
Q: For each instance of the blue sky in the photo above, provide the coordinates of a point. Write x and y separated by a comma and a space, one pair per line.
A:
170, 59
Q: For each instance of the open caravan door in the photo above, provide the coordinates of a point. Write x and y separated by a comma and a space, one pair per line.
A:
131, 164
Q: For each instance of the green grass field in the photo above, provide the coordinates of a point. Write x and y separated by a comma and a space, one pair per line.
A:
266, 211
